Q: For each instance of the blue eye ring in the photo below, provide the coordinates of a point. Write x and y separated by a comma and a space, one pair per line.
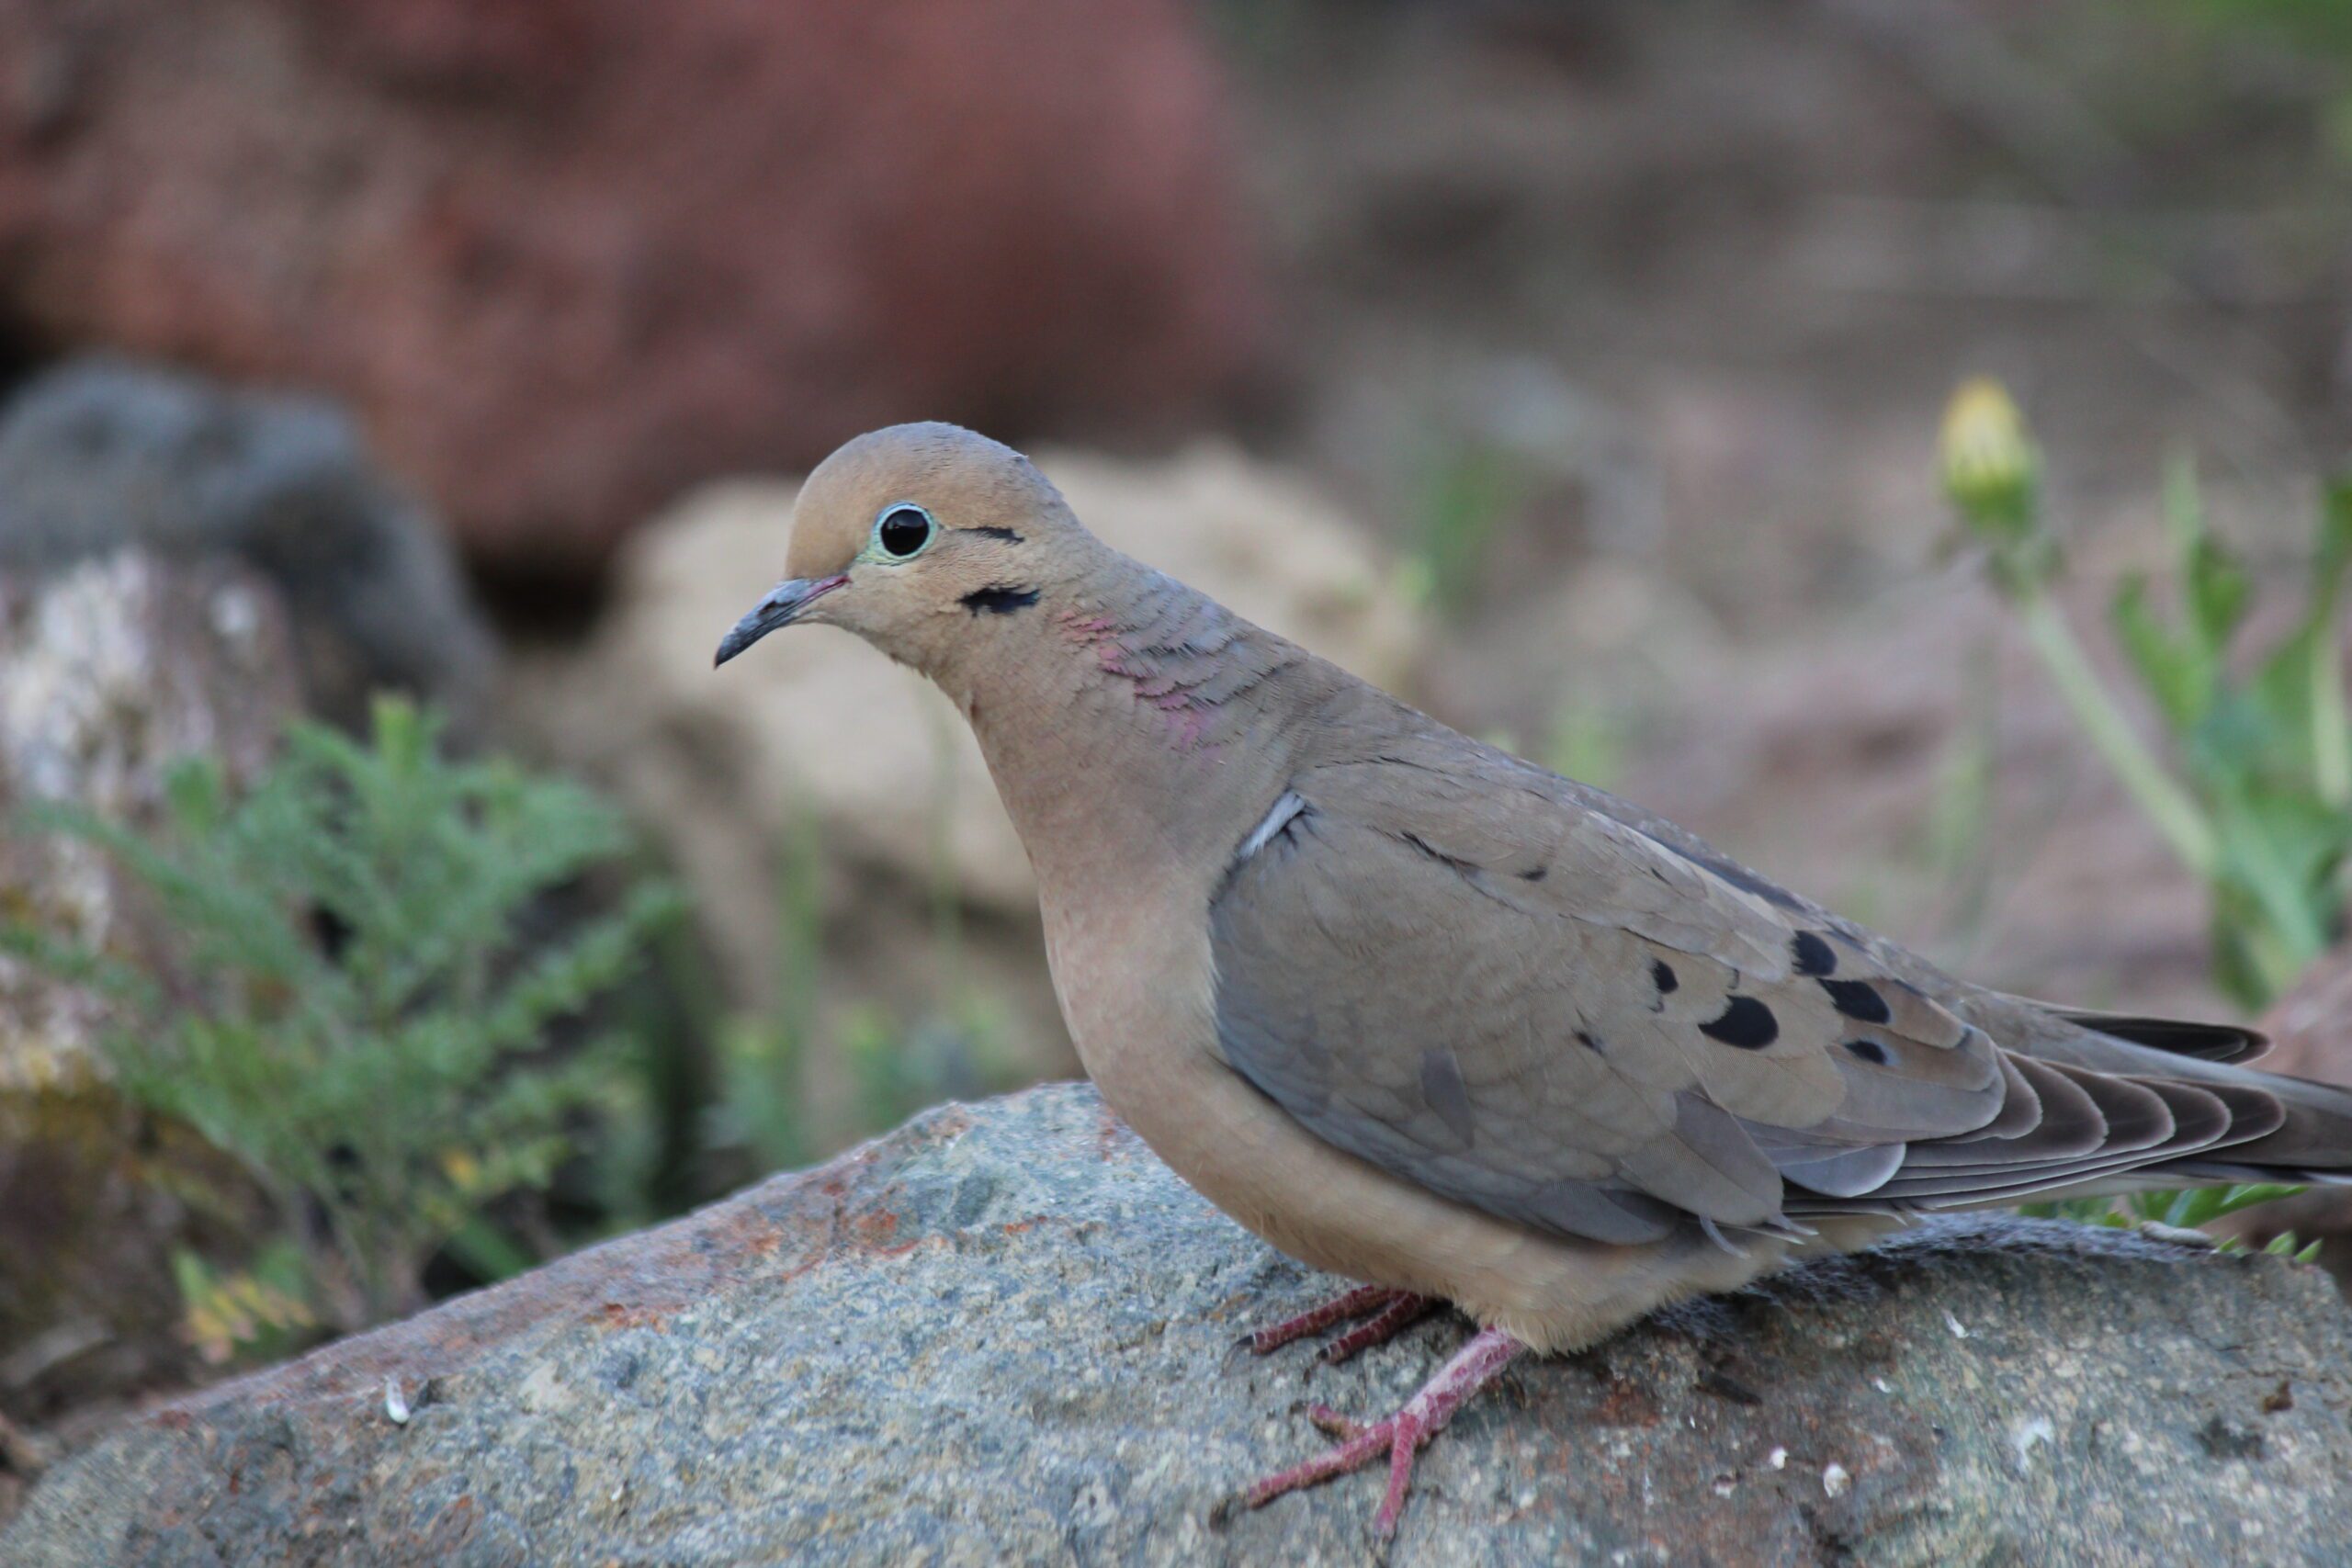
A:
902, 531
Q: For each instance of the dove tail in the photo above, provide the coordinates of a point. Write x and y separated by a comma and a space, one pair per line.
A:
2100, 1114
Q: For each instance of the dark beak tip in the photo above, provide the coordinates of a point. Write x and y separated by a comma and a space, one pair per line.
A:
780, 608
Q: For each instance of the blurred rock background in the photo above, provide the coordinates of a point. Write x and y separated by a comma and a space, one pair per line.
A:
1573, 367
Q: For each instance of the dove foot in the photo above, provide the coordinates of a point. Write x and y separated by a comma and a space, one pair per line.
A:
1402, 1436
1361, 1302
1395, 1318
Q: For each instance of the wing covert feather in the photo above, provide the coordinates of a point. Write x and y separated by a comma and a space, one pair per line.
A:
1542, 1012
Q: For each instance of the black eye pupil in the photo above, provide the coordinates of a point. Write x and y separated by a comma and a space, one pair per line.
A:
904, 530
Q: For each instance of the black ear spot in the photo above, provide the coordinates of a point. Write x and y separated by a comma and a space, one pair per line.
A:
999, 599
1869, 1051
1813, 956
1857, 1000
1745, 1023
1662, 974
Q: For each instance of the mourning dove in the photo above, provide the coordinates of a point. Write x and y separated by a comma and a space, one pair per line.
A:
1427, 1015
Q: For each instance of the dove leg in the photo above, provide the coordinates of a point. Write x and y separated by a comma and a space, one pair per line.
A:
1361, 1302
1401, 1436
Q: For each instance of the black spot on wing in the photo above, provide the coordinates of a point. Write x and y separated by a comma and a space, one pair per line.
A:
1813, 956
1585, 1038
1868, 1050
1857, 1000
999, 599
1745, 1023
1535, 873
1662, 974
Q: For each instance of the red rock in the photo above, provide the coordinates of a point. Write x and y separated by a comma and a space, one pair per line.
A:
567, 257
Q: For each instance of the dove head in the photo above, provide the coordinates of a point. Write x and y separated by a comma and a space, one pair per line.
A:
927, 540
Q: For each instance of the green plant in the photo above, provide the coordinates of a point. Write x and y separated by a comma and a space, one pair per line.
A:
347, 999
262, 1311
2256, 799
1468, 493
891, 1064
2185, 1210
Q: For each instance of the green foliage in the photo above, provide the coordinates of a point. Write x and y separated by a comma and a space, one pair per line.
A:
1468, 495
2265, 754
2185, 1210
2257, 797
350, 1002
766, 1108
1588, 743
2314, 28
262, 1313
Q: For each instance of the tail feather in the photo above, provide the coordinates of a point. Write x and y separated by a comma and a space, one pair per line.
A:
2173, 1036
2103, 1104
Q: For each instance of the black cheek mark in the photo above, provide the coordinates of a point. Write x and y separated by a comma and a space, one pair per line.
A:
1868, 1050
1813, 956
1585, 1038
1745, 1023
1857, 1000
1007, 535
998, 599
1535, 873
1662, 974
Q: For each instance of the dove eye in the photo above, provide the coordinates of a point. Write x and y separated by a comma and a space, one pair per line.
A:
902, 530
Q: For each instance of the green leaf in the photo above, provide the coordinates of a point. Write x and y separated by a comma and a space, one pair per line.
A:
2176, 671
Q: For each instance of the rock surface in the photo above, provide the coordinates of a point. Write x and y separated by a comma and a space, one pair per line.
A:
1005, 1333
111, 671
815, 733
569, 257
101, 455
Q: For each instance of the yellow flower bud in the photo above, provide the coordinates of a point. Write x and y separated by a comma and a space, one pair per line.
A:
1989, 465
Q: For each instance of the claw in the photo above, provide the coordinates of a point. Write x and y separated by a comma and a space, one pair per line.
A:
1401, 1436
1332, 1423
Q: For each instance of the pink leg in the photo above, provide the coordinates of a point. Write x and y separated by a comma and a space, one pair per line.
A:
1398, 1315
1401, 1436
1361, 1302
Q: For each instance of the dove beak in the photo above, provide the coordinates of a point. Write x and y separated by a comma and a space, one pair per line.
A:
781, 607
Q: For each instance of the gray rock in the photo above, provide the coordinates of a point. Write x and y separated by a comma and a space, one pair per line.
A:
1006, 1333
101, 454
112, 671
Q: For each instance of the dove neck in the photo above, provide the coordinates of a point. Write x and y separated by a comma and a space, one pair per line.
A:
1140, 721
